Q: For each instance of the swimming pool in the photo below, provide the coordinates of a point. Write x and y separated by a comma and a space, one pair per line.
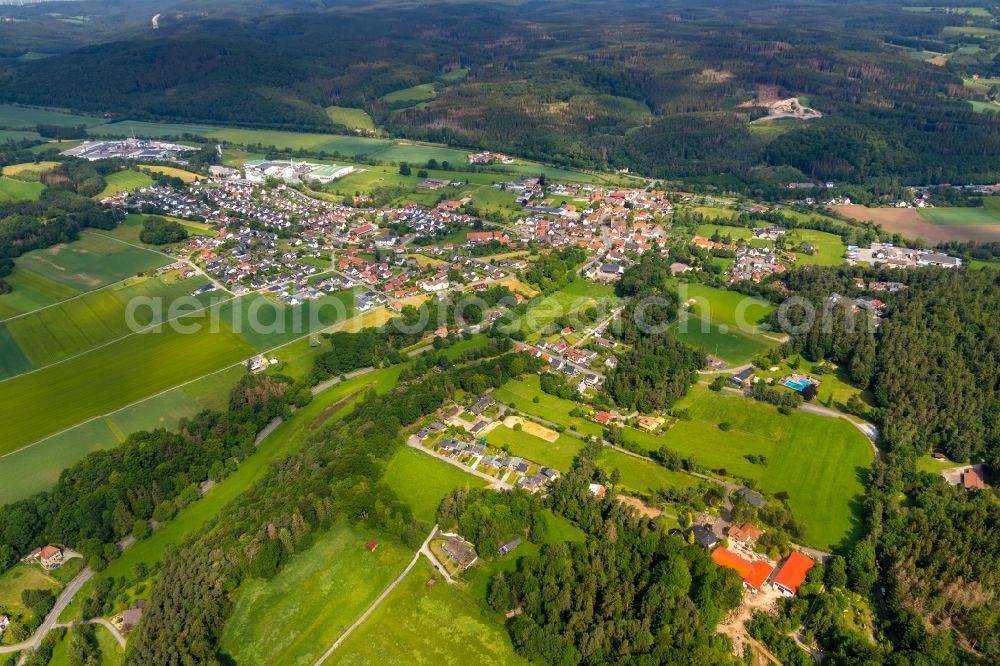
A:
799, 383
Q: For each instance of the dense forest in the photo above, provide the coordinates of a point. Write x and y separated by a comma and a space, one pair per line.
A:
659, 367
335, 474
628, 593
665, 89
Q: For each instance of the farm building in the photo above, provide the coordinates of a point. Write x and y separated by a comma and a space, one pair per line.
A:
509, 546
754, 574
792, 574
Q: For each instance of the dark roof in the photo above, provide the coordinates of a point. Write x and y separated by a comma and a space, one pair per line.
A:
509, 546
704, 535
752, 496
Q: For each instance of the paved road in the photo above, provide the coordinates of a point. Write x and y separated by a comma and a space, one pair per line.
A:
110, 627
375, 604
51, 620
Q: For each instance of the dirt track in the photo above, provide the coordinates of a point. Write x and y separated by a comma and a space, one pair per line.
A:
909, 223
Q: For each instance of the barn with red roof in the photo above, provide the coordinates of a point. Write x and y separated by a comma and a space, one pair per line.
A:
792, 573
754, 574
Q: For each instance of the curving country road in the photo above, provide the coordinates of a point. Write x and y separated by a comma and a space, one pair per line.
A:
52, 619
378, 601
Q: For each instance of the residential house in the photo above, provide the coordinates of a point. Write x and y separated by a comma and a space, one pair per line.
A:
972, 479
461, 552
481, 404
597, 490
704, 536
742, 378
746, 535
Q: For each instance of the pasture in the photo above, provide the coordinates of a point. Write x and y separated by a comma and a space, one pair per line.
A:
558, 454
422, 481
124, 181
19, 190
420, 624
350, 118
830, 248
521, 394
312, 599
19, 578
819, 461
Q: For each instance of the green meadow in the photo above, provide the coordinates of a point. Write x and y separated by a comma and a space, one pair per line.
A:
26, 118
819, 461
124, 181
421, 624
44, 277
422, 481
17, 190
312, 600
350, 118
723, 306
418, 93
640, 476
112, 653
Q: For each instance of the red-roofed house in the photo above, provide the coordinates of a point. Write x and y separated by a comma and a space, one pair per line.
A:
604, 418
792, 574
754, 574
972, 479
746, 535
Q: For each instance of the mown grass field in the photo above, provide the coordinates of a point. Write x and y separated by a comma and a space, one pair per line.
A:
521, 393
19, 578
819, 461
17, 190
312, 600
421, 625
558, 454
730, 344
723, 306
423, 481
124, 181
350, 118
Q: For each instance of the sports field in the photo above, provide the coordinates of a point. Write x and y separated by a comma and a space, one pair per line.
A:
418, 624
422, 481
558, 454
17, 190
312, 600
723, 306
819, 461
730, 344
124, 181
350, 118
